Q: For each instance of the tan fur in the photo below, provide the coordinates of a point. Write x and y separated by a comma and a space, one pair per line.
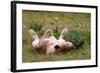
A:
48, 44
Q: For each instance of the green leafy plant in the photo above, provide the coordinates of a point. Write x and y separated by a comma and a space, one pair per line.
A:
75, 37
37, 26
87, 37
56, 32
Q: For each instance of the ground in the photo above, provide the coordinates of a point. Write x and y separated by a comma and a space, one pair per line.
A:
41, 21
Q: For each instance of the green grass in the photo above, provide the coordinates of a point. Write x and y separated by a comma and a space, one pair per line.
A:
79, 23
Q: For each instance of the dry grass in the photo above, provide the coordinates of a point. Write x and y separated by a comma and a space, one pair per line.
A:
55, 21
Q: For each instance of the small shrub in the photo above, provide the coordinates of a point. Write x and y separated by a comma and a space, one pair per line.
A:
75, 37
56, 32
37, 26
41, 32
87, 37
